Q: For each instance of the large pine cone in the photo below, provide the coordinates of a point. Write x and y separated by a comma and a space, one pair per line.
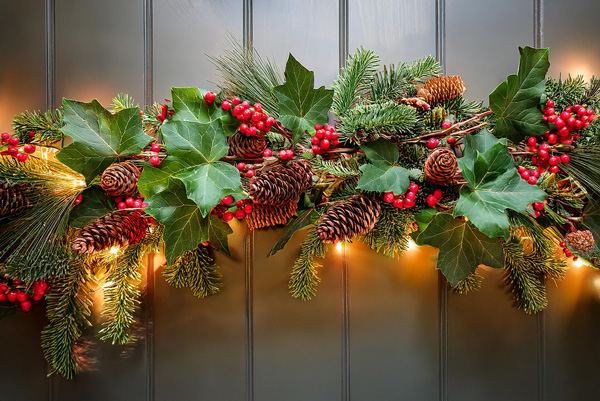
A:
346, 220
282, 184
246, 147
115, 229
581, 240
12, 199
268, 215
441, 166
120, 179
441, 89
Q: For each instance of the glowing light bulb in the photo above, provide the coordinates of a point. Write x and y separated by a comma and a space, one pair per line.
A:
579, 262
114, 250
338, 246
411, 245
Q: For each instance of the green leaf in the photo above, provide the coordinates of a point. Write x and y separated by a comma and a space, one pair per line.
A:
189, 105
381, 152
99, 137
425, 217
298, 224
157, 179
95, 204
493, 185
462, 247
516, 100
482, 142
300, 105
383, 179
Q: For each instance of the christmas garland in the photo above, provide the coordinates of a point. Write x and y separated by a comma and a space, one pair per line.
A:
405, 158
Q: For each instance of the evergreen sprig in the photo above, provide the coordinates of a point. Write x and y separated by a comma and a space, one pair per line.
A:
584, 166
400, 80
195, 269
566, 92
390, 234
304, 277
469, 284
46, 126
121, 102
382, 118
354, 80
339, 168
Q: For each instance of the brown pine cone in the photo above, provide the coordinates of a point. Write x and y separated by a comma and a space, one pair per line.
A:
346, 220
12, 199
441, 89
120, 179
246, 147
115, 229
282, 184
268, 215
441, 166
581, 240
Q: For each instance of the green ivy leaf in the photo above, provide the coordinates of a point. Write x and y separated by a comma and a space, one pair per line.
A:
382, 175
380, 152
99, 137
462, 247
515, 101
300, 105
493, 185
189, 105
157, 179
94, 205
425, 217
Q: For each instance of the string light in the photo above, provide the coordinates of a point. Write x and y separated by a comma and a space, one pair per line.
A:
114, 250
579, 262
338, 246
411, 245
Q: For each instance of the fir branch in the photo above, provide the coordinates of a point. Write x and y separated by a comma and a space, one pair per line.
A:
46, 126
339, 168
390, 234
385, 118
584, 166
398, 81
462, 109
195, 269
566, 93
68, 309
469, 284
121, 102
247, 75
354, 80
304, 277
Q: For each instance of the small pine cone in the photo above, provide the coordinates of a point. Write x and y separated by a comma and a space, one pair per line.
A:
282, 184
441, 166
12, 199
115, 229
246, 147
346, 220
415, 102
120, 179
268, 215
439, 90
581, 240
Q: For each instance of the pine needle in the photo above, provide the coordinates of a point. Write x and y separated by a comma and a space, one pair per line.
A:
339, 168
400, 80
354, 80
121, 102
304, 277
469, 284
584, 166
390, 234
195, 269
46, 126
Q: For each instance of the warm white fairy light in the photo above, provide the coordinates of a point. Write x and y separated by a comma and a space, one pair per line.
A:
411, 245
579, 262
338, 246
114, 250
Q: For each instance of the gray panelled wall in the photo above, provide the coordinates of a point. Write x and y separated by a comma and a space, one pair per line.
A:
379, 329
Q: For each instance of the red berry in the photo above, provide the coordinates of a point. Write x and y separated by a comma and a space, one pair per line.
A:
554, 160
451, 140
250, 173
210, 97
251, 131
22, 296
431, 200
438, 194
538, 206
237, 111
137, 203
243, 128
121, 205
227, 216
241, 166
29, 148
226, 105
269, 121
544, 146
78, 199
408, 203
240, 203
5, 136
22, 157
236, 100
289, 154
543, 154
521, 169
568, 253
314, 140
552, 118
37, 296
260, 126
432, 143
564, 131
248, 208
413, 187
571, 122
552, 138
446, 124
245, 104
227, 200
14, 141
550, 103
129, 201
154, 160
267, 152
2, 297
565, 158
525, 175
240, 214
256, 116
12, 296
565, 115
531, 141
554, 169
325, 144
397, 203
559, 123
3, 288
25, 306
532, 180
388, 197
549, 111
319, 133
144, 205
315, 149
562, 244
32, 134
258, 107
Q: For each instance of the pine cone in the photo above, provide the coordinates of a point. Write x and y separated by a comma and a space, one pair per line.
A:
581, 240
246, 147
12, 199
282, 184
439, 90
267, 215
441, 166
115, 229
120, 179
346, 220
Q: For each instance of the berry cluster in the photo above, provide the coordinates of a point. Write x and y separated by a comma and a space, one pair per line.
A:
406, 200
254, 121
566, 250
434, 198
286, 154
325, 137
155, 160
567, 123
13, 149
244, 207
130, 202
245, 170
15, 291
539, 207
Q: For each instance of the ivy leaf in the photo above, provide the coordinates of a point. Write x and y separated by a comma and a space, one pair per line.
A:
462, 247
515, 101
94, 205
185, 226
189, 105
382, 175
425, 217
482, 142
300, 105
157, 179
380, 152
493, 185
200, 146
100, 138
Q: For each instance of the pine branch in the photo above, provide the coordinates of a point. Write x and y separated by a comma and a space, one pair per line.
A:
354, 80
68, 309
46, 126
566, 93
390, 234
385, 118
195, 269
339, 168
462, 109
304, 277
470, 284
398, 81
121, 102
584, 166
247, 75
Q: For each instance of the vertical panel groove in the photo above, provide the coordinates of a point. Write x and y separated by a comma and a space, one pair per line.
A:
343, 34
345, 322
249, 287
148, 51
248, 32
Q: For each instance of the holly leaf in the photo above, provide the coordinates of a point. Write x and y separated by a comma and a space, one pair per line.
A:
493, 185
382, 175
185, 226
100, 138
95, 204
515, 101
300, 105
462, 247
189, 105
